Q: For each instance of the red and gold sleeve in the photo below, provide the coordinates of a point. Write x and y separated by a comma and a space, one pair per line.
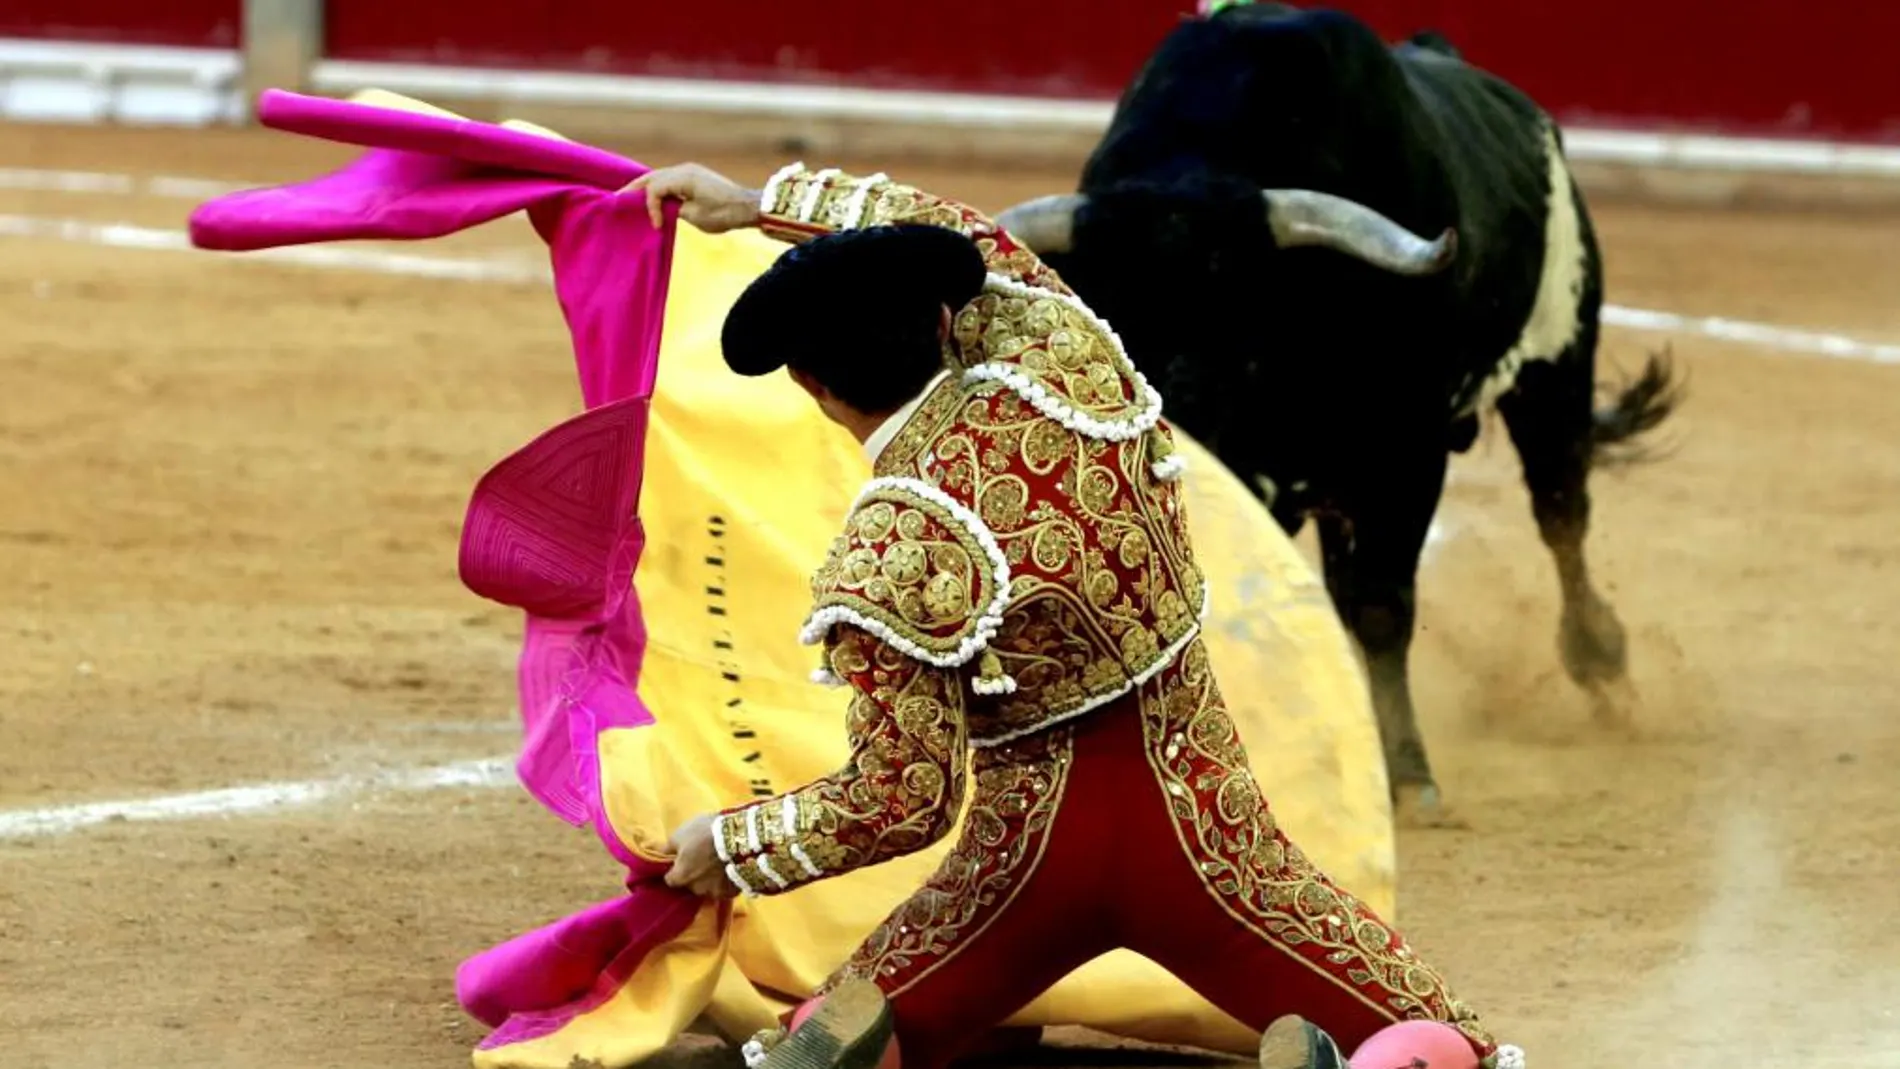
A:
908, 597
798, 204
900, 791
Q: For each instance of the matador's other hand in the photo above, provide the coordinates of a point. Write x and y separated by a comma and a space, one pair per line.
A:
708, 200
696, 865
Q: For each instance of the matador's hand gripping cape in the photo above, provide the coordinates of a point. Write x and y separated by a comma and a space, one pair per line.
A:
710, 643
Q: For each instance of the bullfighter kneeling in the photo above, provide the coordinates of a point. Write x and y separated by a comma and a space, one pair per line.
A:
1015, 595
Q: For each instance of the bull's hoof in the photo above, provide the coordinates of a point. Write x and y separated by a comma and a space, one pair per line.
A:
1613, 703
1592, 644
1419, 805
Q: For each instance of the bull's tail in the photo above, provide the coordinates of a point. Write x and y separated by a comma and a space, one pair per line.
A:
1637, 407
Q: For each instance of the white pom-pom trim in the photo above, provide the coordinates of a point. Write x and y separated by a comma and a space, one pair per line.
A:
1055, 408
815, 191
1510, 1057
987, 623
1003, 685
719, 838
825, 677
768, 200
861, 199
732, 873
1169, 468
754, 1052
765, 866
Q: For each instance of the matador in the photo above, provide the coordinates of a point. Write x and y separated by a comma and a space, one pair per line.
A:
1015, 611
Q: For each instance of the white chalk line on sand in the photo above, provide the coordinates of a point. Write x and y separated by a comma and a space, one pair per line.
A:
33, 179
1768, 336
335, 257
59, 820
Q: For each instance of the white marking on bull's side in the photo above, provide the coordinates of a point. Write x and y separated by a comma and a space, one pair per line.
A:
1440, 532
1553, 323
56, 820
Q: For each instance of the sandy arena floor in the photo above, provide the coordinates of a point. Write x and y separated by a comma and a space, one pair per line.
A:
229, 499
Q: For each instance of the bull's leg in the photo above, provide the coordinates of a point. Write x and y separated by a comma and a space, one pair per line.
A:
1551, 422
1371, 564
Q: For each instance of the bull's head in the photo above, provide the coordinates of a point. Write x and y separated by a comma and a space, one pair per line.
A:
1297, 217
1188, 273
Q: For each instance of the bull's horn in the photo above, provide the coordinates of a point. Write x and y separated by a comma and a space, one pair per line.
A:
1306, 217
1046, 224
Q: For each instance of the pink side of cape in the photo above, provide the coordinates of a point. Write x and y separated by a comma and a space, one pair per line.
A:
553, 528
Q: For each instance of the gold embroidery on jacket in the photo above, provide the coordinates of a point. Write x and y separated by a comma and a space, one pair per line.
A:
899, 792
1104, 589
910, 570
1103, 585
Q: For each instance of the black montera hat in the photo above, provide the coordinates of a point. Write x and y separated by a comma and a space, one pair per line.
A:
819, 298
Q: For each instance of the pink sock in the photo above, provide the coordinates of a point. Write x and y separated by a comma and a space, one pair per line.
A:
1416, 1045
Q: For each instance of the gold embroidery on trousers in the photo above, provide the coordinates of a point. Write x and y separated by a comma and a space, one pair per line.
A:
1260, 876
1019, 789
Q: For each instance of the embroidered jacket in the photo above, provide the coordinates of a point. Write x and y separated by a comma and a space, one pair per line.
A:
1019, 559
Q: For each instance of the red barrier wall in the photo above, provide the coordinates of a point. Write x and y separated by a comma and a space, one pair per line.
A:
1823, 68
966, 45
188, 23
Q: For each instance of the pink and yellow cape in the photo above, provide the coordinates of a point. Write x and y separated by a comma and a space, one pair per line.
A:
670, 480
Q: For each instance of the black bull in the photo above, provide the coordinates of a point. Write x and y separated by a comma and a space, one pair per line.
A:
1332, 256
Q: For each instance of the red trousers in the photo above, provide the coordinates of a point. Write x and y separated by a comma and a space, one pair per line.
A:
1139, 826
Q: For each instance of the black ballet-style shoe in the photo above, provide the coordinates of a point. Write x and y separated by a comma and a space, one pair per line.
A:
1293, 1042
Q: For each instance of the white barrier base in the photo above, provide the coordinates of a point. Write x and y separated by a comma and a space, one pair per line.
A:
72, 82
56, 81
